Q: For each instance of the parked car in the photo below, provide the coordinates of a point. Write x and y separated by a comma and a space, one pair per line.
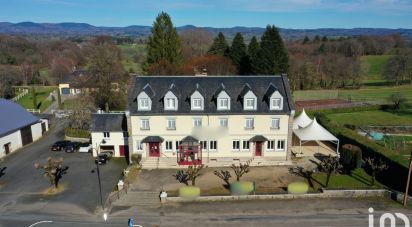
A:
102, 159
85, 148
59, 145
72, 147
108, 153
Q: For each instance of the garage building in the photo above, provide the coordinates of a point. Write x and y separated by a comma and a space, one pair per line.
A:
18, 127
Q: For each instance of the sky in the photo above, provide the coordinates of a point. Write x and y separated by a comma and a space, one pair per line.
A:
216, 13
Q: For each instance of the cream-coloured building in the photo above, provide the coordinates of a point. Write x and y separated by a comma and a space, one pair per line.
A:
174, 121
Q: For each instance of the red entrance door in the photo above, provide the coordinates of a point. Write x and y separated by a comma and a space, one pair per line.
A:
123, 149
258, 150
154, 150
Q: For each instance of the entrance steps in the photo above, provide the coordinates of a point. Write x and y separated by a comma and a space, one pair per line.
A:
160, 163
146, 199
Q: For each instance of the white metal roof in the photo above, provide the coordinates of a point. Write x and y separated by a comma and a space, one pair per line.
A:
302, 120
314, 131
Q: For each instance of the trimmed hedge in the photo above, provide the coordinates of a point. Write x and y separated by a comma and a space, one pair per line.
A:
78, 133
189, 192
242, 188
346, 109
351, 157
298, 188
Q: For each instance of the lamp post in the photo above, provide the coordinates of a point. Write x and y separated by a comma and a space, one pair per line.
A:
98, 177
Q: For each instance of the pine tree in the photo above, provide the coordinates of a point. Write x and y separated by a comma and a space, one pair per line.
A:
253, 50
219, 46
164, 43
272, 57
238, 54
306, 40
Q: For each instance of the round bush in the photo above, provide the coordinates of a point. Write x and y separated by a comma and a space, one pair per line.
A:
189, 192
298, 188
242, 188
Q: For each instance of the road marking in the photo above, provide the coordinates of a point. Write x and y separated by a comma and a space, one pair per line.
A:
39, 222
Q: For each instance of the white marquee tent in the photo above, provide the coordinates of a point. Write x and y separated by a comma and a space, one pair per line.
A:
315, 132
302, 120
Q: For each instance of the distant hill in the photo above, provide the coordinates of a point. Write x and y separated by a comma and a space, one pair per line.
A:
84, 29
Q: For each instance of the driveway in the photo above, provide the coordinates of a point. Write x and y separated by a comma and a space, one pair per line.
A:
22, 184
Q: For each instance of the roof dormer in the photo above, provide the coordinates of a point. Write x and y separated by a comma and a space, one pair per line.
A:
222, 98
274, 98
144, 99
170, 99
197, 100
248, 98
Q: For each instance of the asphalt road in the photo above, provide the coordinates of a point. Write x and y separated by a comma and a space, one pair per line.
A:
22, 184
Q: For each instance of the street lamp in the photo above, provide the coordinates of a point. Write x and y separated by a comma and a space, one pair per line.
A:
98, 177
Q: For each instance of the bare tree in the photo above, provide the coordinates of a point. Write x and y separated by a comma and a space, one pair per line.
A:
195, 42
376, 166
398, 100
224, 175
53, 169
190, 174
241, 169
330, 165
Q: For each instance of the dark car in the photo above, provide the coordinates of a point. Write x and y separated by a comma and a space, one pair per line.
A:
59, 145
102, 159
72, 147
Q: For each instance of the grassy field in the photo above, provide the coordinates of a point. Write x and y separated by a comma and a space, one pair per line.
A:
358, 180
41, 93
374, 65
129, 51
376, 117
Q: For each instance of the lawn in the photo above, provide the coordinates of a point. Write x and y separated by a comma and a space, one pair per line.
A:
374, 65
374, 117
379, 95
129, 51
359, 179
41, 93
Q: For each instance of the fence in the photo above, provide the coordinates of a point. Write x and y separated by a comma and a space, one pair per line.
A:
21, 95
34, 111
115, 196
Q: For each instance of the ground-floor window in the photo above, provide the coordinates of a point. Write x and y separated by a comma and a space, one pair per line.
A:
204, 144
169, 145
213, 145
139, 145
177, 143
280, 146
270, 144
236, 145
246, 145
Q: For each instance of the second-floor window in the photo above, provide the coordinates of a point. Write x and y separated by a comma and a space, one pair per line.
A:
144, 124
171, 124
106, 134
250, 123
223, 122
275, 123
197, 122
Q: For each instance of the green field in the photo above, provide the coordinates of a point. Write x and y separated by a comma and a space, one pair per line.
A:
375, 117
358, 180
129, 51
41, 93
374, 65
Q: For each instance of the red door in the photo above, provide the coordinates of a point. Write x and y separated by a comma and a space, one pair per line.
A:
258, 150
154, 150
122, 150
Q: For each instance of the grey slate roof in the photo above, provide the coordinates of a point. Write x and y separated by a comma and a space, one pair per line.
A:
152, 139
14, 117
109, 122
234, 86
76, 78
258, 138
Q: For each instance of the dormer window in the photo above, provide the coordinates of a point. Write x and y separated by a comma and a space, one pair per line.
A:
276, 101
197, 101
249, 101
144, 102
197, 104
170, 101
223, 101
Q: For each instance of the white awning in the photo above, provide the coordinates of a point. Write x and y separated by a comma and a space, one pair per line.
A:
302, 120
314, 131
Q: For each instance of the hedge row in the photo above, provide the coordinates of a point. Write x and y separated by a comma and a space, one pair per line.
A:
346, 109
78, 133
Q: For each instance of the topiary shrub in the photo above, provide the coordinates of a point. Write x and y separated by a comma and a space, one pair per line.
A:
242, 188
298, 188
189, 192
351, 157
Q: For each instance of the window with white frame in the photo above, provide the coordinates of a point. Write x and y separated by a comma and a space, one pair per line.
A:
106, 134
275, 123
197, 104
213, 145
177, 143
223, 122
197, 122
250, 123
169, 145
171, 124
246, 145
276, 103
144, 124
223, 103
236, 145
250, 103
171, 103
203, 144
280, 145
270, 144
139, 145
144, 103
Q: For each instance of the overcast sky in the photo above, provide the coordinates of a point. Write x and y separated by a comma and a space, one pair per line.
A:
216, 13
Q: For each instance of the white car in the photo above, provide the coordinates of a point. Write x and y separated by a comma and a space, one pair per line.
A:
85, 148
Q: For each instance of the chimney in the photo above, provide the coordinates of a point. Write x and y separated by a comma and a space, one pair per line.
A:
202, 72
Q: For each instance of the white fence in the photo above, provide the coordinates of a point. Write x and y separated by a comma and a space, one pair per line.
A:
34, 111
24, 93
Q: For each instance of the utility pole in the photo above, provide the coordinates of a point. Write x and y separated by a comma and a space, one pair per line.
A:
405, 198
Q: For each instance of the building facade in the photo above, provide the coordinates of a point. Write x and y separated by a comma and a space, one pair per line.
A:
176, 121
